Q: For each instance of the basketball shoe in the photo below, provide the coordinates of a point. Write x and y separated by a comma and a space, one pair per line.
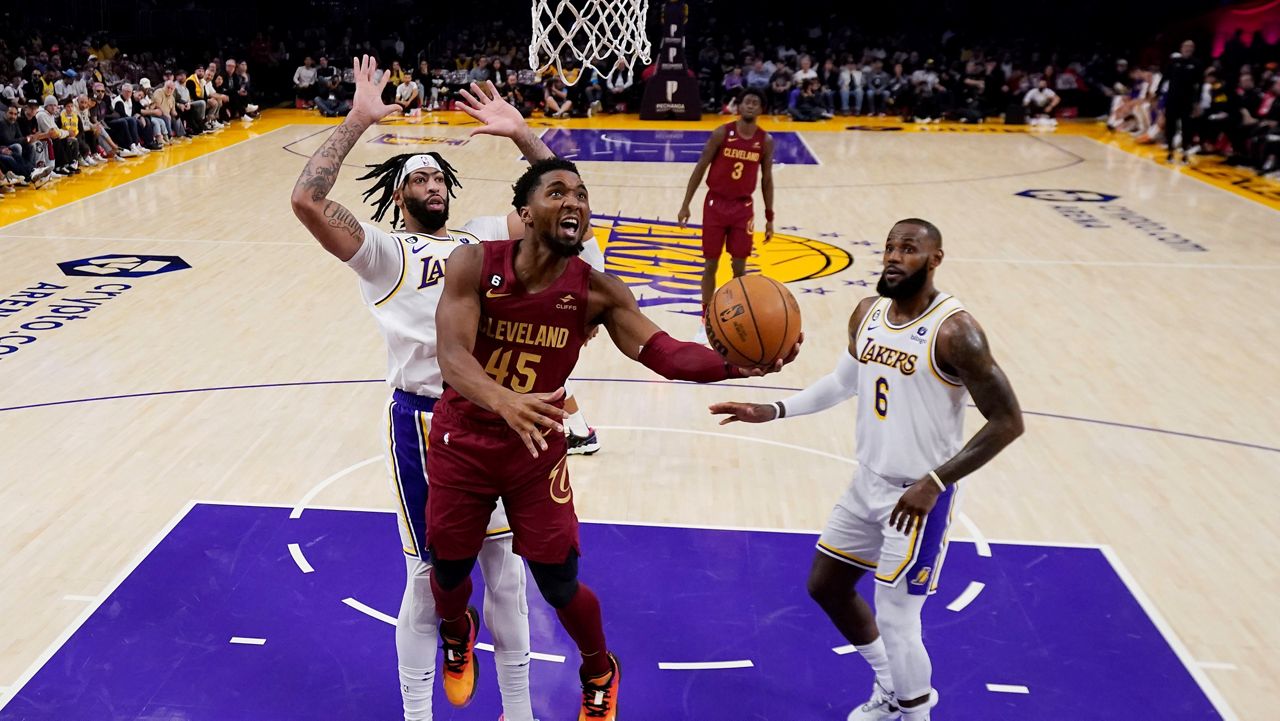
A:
460, 669
880, 707
600, 700
582, 445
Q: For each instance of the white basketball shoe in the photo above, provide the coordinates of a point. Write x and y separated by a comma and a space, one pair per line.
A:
881, 706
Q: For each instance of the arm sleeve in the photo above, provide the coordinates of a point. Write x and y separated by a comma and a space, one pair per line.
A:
678, 361
379, 262
835, 387
487, 227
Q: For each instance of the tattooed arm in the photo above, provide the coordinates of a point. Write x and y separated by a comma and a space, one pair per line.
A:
333, 225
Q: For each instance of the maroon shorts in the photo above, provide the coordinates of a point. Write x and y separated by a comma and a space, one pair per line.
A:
470, 465
726, 223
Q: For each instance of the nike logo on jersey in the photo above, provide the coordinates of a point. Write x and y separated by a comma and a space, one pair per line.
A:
872, 327
491, 294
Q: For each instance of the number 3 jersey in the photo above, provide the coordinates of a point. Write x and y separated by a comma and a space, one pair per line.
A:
401, 280
910, 413
527, 342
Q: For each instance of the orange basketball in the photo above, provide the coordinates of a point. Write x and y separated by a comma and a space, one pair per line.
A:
753, 321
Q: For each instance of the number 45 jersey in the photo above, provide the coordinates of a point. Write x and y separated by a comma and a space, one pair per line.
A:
910, 412
401, 280
527, 342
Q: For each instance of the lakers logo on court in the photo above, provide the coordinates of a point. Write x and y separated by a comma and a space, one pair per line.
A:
662, 262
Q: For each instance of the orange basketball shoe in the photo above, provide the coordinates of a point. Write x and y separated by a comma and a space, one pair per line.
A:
460, 669
600, 698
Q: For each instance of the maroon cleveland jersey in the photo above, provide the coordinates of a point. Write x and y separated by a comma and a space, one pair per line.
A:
737, 163
528, 342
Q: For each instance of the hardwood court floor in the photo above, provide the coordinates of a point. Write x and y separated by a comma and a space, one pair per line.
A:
1134, 314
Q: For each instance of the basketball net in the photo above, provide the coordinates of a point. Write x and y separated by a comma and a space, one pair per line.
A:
597, 33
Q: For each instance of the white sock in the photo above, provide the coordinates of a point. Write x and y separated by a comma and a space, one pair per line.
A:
898, 616
577, 424
878, 659
506, 613
416, 641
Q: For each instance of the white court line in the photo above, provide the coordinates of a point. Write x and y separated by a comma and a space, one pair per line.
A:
964, 599
1216, 666
369, 611
984, 548
1201, 678
1007, 688
805, 143
149, 175
248, 641
296, 551
80, 599
71, 628
703, 665
732, 436
302, 505
375, 613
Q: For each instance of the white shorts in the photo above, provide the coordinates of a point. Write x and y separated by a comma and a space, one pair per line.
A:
408, 427
858, 533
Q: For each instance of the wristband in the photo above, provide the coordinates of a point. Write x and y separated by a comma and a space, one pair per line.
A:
781, 410
768, 215
941, 486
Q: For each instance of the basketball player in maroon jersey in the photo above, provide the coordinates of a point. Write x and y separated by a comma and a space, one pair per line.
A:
511, 323
736, 153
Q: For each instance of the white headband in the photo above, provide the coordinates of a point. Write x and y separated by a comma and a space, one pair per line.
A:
417, 162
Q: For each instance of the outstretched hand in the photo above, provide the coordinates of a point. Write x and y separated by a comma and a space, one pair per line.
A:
757, 371
367, 102
745, 412
497, 116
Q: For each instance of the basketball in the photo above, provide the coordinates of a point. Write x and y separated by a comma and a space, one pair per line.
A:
753, 321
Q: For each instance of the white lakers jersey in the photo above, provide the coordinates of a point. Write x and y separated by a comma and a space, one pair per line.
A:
401, 280
910, 413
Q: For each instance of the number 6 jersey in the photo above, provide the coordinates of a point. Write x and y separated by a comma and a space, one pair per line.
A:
910, 413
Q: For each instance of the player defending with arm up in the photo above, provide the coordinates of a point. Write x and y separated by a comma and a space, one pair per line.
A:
736, 152
401, 277
915, 356
511, 324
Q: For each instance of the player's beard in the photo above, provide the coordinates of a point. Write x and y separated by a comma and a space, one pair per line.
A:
909, 286
427, 218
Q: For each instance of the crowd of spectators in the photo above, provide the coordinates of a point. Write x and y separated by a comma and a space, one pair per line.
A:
67, 104
68, 107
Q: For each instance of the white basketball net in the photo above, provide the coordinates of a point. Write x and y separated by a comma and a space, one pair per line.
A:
595, 32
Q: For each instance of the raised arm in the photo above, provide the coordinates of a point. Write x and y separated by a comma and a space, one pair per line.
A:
766, 186
640, 339
457, 321
498, 117
963, 352
704, 161
328, 221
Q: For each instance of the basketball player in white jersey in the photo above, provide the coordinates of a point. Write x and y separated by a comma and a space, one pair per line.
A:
401, 277
915, 356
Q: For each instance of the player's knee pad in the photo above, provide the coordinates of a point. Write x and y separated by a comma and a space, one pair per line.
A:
558, 582
451, 574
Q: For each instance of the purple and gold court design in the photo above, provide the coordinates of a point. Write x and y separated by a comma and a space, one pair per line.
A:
659, 146
252, 613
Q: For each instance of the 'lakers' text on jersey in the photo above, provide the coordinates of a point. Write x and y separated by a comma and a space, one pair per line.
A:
910, 413
528, 342
736, 164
